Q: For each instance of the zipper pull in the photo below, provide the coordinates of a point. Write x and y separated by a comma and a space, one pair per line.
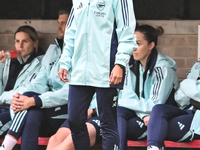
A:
88, 8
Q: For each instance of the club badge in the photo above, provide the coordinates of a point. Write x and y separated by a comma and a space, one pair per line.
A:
101, 4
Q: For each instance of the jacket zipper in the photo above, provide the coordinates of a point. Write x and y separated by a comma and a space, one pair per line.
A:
87, 42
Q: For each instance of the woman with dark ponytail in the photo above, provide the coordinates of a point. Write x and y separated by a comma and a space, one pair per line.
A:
179, 124
151, 79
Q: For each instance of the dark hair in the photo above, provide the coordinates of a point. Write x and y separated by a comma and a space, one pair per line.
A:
63, 11
150, 33
28, 30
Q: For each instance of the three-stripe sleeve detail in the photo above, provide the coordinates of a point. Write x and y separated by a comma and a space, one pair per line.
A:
70, 20
156, 88
125, 13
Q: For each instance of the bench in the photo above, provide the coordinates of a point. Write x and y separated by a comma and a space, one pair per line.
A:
192, 144
41, 141
170, 144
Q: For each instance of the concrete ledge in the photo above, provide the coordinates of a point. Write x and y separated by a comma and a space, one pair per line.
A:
42, 26
49, 26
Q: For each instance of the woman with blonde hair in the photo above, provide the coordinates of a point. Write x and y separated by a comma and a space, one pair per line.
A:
17, 73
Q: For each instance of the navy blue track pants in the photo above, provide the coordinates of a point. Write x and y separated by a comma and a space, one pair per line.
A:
5, 121
78, 104
35, 122
168, 123
130, 127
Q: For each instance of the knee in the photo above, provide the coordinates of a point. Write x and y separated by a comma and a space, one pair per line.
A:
160, 110
122, 112
34, 116
53, 139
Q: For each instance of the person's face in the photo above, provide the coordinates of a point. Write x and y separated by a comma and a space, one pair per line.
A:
62, 21
24, 44
144, 48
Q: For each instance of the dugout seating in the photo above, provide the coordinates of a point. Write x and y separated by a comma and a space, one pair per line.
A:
143, 143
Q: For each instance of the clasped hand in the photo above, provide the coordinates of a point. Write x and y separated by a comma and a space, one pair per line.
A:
146, 120
21, 102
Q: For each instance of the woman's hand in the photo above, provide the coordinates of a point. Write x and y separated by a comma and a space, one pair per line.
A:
2, 56
63, 75
116, 75
21, 102
92, 113
146, 120
89, 113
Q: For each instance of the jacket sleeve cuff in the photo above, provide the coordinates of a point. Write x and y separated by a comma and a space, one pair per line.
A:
38, 101
121, 66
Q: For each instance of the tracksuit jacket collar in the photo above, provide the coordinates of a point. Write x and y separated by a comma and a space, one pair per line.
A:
150, 64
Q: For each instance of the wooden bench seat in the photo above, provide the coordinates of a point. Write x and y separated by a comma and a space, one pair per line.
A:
192, 144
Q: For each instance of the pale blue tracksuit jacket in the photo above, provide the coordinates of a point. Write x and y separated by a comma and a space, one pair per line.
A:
190, 88
92, 28
157, 87
54, 92
24, 78
27, 74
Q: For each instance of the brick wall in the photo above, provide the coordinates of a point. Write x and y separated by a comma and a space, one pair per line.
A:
179, 41
182, 48
46, 30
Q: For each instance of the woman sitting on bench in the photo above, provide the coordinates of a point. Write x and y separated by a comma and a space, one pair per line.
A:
171, 123
18, 70
151, 80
